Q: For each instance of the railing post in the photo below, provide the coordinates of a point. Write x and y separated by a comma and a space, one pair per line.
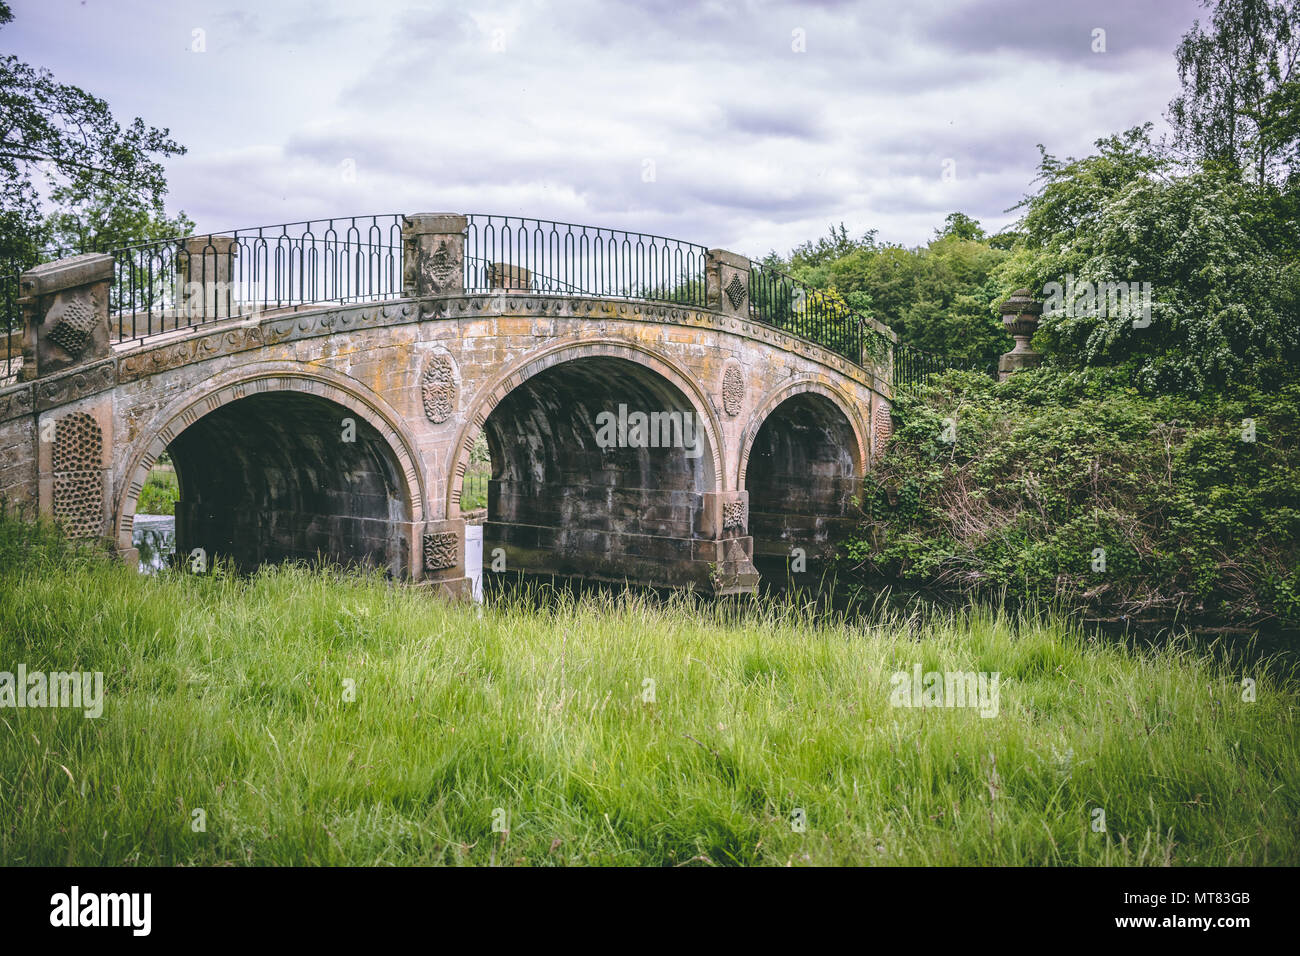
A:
1020, 315
205, 265
65, 314
433, 254
726, 282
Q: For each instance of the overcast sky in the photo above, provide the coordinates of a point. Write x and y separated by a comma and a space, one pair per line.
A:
749, 126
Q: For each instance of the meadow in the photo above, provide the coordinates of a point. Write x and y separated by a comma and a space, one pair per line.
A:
310, 716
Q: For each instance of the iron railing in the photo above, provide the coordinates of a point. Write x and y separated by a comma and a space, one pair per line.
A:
11, 322
173, 284
168, 285
778, 300
913, 366
564, 258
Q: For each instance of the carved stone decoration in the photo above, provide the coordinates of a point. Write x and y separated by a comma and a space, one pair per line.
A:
733, 390
436, 270
75, 324
884, 428
441, 550
733, 516
78, 475
438, 385
736, 291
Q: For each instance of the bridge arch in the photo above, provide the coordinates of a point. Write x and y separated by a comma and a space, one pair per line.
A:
533, 364
579, 488
813, 446
298, 421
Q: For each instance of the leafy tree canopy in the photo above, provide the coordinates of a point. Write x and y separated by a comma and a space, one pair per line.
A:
65, 140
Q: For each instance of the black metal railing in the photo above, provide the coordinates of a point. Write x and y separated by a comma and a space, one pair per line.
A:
568, 259
11, 322
173, 284
778, 300
913, 366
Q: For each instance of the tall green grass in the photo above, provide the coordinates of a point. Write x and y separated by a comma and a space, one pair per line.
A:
227, 694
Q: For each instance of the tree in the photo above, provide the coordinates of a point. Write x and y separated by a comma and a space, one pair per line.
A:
69, 139
110, 218
1228, 74
961, 226
1224, 284
835, 245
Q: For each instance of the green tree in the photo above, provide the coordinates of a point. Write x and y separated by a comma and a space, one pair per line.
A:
960, 225
1224, 280
1229, 73
69, 139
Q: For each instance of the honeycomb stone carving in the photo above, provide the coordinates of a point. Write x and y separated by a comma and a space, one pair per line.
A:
78, 479
441, 550
884, 428
736, 291
733, 516
733, 390
438, 386
75, 326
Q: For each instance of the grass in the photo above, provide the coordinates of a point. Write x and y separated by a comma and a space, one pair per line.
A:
228, 695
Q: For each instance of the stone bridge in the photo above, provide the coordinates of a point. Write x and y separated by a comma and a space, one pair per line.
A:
668, 435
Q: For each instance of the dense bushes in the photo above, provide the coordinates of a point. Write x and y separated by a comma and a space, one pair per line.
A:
1066, 485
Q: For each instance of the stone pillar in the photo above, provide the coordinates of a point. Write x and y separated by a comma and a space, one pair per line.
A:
205, 266
730, 548
726, 282
443, 553
65, 314
433, 254
504, 277
1020, 315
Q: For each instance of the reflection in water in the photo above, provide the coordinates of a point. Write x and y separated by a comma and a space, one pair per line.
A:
155, 536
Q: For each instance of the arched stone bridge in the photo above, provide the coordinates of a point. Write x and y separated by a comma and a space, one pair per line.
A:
346, 429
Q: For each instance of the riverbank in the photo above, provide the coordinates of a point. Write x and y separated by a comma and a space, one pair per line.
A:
305, 717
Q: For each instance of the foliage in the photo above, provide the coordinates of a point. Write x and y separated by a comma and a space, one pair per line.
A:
1193, 518
937, 297
1232, 75
231, 694
160, 493
68, 138
1221, 263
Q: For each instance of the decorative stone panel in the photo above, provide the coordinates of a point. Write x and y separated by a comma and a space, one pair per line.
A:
434, 246
441, 550
884, 427
734, 515
65, 314
438, 388
733, 389
78, 476
726, 282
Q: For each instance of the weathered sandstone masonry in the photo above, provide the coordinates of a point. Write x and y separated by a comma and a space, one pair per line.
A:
345, 430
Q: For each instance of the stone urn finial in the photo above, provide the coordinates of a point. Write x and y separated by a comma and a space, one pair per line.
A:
1020, 314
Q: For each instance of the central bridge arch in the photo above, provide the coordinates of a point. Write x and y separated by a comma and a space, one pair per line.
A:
583, 487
